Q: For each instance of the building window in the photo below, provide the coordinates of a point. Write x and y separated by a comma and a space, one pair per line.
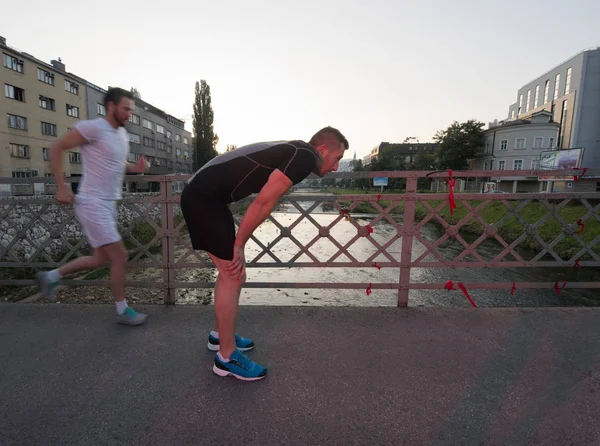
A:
568, 81
148, 142
538, 142
487, 147
535, 165
48, 129
512, 114
45, 153
72, 111
147, 124
551, 143
186, 154
160, 129
178, 153
17, 122
161, 145
504, 144
520, 143
528, 100
21, 174
101, 109
556, 85
12, 62
546, 90
75, 157
45, 76
16, 93
169, 149
537, 96
46, 103
520, 104
133, 138
501, 165
186, 141
19, 151
134, 119
177, 137
518, 165
71, 87
133, 157
48, 175
563, 123
169, 134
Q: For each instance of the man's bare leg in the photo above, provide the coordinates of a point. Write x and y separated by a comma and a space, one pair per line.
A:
227, 294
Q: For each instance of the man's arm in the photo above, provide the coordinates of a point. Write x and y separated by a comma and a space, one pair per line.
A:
66, 142
275, 188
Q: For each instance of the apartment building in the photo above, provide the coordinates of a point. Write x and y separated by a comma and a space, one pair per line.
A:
40, 101
43, 101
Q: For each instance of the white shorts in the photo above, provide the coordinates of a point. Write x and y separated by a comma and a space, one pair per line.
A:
98, 219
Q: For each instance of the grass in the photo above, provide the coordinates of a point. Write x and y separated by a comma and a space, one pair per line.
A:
511, 228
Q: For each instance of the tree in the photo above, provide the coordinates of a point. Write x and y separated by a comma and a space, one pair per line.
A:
205, 138
136, 93
359, 182
386, 159
424, 161
230, 147
410, 139
458, 144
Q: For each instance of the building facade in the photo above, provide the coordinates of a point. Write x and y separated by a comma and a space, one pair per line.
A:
41, 102
571, 93
517, 145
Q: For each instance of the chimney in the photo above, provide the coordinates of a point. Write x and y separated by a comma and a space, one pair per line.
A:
58, 65
2, 40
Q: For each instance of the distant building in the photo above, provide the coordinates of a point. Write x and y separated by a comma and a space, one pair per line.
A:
43, 101
407, 151
517, 145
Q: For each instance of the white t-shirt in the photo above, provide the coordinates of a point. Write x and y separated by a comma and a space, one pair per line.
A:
104, 158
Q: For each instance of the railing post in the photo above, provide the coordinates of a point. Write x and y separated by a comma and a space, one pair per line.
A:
166, 194
410, 202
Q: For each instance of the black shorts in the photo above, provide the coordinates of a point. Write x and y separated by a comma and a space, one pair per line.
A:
209, 222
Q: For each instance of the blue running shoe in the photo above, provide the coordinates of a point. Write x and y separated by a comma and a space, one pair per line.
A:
241, 343
240, 367
131, 317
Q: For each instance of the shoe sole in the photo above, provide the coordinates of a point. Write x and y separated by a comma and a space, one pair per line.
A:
216, 348
132, 324
225, 373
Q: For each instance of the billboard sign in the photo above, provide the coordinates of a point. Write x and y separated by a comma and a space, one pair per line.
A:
560, 160
380, 181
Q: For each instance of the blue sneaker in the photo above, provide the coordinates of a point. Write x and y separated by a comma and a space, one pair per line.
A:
240, 367
241, 343
131, 317
47, 287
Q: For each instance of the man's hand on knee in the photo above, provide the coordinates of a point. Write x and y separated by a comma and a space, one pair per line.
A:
237, 267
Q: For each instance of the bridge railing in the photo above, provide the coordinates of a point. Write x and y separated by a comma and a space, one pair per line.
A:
362, 230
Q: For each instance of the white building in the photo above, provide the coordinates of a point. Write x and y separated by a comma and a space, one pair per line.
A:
517, 145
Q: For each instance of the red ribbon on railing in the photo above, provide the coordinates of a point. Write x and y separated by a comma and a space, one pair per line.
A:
466, 293
369, 291
585, 169
451, 184
581, 225
513, 289
378, 197
557, 288
376, 265
577, 264
449, 286
369, 228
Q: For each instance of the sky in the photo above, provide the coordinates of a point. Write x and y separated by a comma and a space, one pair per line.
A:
378, 71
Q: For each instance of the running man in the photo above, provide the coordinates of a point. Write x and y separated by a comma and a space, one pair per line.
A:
271, 169
104, 149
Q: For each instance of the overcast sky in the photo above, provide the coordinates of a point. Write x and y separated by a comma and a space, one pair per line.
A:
378, 71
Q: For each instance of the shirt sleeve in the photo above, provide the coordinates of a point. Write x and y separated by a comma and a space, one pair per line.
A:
300, 165
88, 129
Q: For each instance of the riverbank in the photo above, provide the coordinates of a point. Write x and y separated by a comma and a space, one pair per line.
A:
494, 212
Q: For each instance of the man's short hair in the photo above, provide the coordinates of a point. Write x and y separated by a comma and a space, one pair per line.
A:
329, 137
115, 95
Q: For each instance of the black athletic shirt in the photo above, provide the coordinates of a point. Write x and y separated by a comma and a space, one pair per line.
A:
235, 175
